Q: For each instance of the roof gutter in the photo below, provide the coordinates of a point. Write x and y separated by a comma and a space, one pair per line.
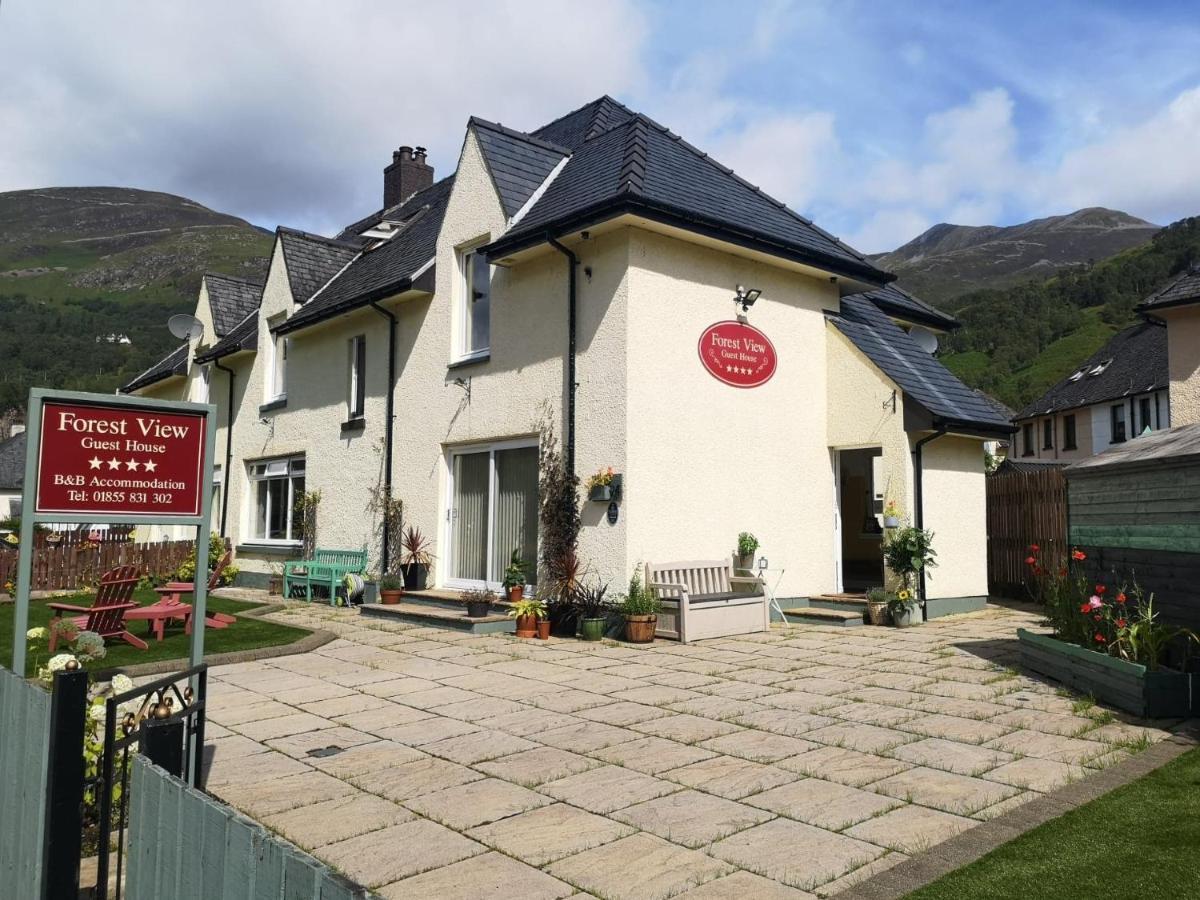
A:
572, 263
370, 298
385, 555
228, 448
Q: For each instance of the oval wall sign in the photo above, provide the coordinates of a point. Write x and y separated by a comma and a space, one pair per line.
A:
737, 354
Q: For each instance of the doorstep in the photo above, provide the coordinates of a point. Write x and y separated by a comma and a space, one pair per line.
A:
438, 613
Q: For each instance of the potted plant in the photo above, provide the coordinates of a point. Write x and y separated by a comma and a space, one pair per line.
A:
527, 611
901, 606
543, 626
878, 601
514, 577
640, 606
907, 553
391, 589
478, 603
603, 486
747, 546
593, 607
891, 515
415, 558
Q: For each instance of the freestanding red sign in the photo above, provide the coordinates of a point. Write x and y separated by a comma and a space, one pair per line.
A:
113, 460
737, 354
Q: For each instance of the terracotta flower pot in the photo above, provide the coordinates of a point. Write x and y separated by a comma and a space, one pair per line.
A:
391, 598
527, 626
543, 631
640, 629
515, 592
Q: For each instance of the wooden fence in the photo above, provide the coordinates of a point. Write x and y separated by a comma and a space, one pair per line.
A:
24, 737
183, 843
71, 565
1024, 508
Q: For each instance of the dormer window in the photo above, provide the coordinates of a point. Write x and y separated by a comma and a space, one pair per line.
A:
473, 304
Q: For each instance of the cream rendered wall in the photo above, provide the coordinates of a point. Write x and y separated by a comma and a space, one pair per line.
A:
705, 460
344, 468
956, 513
522, 382
1183, 363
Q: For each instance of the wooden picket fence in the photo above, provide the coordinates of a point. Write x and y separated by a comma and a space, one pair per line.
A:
73, 564
1024, 508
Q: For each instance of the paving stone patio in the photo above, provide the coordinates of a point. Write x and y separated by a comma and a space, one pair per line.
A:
430, 763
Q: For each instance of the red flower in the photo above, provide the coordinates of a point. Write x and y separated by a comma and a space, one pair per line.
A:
1121, 623
1087, 607
1034, 548
1078, 555
1030, 560
1100, 589
1099, 638
1121, 597
1062, 573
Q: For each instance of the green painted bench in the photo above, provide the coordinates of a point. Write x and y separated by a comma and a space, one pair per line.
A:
325, 570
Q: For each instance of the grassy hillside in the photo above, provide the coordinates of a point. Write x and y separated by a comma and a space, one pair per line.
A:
1017, 342
78, 265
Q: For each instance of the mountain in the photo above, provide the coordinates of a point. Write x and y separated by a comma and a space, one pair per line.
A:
949, 260
89, 276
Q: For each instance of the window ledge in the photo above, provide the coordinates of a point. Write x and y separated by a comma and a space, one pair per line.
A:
480, 357
270, 549
354, 426
270, 405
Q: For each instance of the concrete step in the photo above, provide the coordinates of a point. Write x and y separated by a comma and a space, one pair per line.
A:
839, 601
815, 615
439, 614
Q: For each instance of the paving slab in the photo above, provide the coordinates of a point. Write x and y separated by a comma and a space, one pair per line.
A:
279, 794
607, 788
742, 886
911, 829
946, 791
796, 854
843, 765
491, 875
529, 768
692, 818
685, 728
730, 777
1036, 774
823, 803
962, 759
543, 835
477, 746
317, 824
758, 746
389, 854
413, 779
652, 755
639, 867
476, 803
859, 736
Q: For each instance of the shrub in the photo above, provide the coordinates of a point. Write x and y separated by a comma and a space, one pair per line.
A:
747, 544
908, 553
640, 600
216, 549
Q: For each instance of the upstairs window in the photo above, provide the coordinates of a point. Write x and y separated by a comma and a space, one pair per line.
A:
474, 305
200, 386
1027, 439
1048, 434
277, 374
275, 486
1069, 433
1145, 420
1117, 423
356, 395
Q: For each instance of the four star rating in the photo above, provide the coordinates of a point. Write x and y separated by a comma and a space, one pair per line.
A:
131, 465
739, 370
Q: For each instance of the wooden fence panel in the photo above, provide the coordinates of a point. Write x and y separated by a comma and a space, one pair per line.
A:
73, 565
24, 739
218, 854
1024, 508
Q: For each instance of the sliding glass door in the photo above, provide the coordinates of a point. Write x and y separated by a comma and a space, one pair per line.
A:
493, 513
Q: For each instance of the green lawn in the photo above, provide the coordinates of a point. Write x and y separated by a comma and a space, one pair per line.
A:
244, 634
1140, 841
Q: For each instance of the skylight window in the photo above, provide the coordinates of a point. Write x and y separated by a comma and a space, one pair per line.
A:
1077, 375
1100, 368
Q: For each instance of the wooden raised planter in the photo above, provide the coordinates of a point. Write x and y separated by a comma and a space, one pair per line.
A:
1162, 694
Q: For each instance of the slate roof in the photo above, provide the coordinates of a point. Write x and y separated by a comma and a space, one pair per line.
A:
917, 373
517, 162
389, 268
641, 167
230, 299
242, 337
896, 301
1028, 466
583, 124
311, 261
12, 462
174, 363
1139, 365
1183, 290
1168, 446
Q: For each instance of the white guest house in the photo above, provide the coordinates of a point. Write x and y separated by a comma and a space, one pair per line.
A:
589, 274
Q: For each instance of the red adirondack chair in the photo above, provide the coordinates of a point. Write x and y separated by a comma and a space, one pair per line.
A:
171, 606
106, 615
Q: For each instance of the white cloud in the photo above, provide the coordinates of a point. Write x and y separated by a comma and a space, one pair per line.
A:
787, 156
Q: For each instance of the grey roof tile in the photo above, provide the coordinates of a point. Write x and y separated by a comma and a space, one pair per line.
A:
242, 337
174, 363
230, 299
1184, 289
312, 260
1137, 363
917, 373
517, 162
581, 125
895, 301
12, 463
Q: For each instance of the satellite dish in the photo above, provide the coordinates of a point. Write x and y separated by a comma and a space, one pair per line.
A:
924, 338
185, 327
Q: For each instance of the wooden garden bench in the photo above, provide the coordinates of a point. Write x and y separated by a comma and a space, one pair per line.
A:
325, 570
706, 600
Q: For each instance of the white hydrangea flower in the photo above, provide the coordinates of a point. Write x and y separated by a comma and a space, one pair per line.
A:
89, 646
121, 684
37, 634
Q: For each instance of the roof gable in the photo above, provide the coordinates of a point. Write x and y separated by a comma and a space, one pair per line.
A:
917, 373
231, 299
243, 337
518, 163
312, 260
1181, 291
590, 120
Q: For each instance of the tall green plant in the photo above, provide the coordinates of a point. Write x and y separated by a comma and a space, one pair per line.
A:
559, 517
305, 510
908, 552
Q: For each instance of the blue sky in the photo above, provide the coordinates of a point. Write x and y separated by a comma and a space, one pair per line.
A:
876, 119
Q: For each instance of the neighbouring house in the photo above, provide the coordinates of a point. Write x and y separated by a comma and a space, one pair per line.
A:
1177, 306
740, 368
12, 473
1118, 393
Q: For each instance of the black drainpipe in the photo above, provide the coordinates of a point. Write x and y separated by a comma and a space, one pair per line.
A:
385, 559
228, 476
572, 262
919, 490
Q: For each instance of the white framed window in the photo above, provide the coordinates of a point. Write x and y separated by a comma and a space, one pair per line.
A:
473, 304
200, 386
275, 486
356, 382
492, 511
217, 489
277, 370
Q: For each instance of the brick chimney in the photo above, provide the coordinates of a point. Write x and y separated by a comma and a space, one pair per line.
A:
407, 174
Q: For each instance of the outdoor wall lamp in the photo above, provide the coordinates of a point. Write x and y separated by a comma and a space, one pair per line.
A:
746, 297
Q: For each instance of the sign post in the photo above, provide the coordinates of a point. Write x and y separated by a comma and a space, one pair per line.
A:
98, 458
